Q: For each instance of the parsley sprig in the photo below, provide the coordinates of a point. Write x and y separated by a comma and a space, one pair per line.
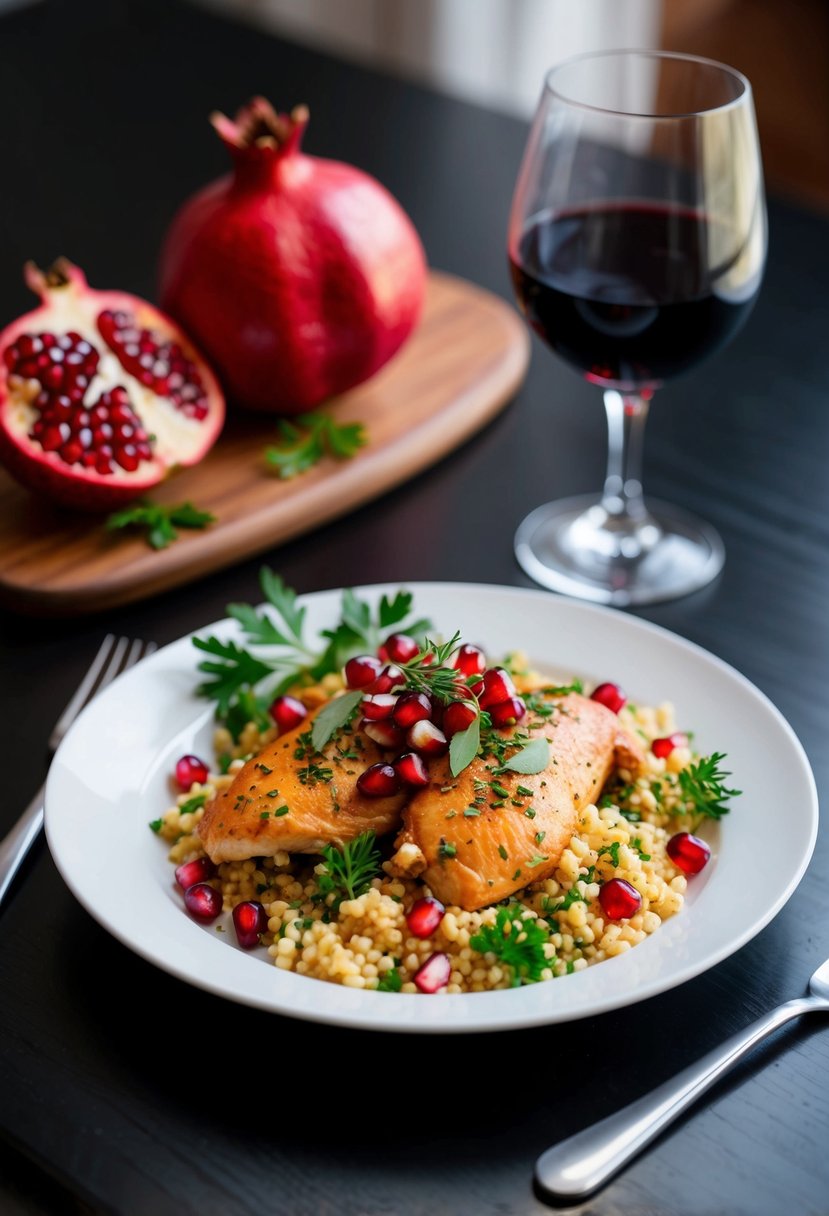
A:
308, 438
349, 870
703, 786
518, 943
162, 522
244, 678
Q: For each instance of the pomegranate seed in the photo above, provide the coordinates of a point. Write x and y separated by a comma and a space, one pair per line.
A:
688, 853
249, 920
287, 712
361, 671
498, 687
434, 974
378, 781
457, 716
609, 695
378, 705
412, 707
411, 769
663, 747
191, 872
424, 916
619, 899
384, 733
203, 902
127, 457
54, 437
469, 661
400, 648
189, 770
507, 713
438, 710
390, 677
426, 738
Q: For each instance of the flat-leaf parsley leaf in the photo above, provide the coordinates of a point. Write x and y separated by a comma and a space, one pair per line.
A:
162, 522
297, 452
518, 943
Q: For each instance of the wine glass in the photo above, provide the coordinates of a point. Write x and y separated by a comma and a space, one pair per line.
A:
637, 242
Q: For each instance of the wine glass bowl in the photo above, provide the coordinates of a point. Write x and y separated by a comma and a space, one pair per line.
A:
637, 242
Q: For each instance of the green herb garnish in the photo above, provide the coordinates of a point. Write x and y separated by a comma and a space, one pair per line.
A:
702, 785
518, 943
612, 851
162, 522
244, 679
390, 981
192, 804
297, 452
334, 715
533, 757
350, 870
464, 746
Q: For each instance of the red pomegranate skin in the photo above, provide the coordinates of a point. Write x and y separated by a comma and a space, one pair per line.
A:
299, 276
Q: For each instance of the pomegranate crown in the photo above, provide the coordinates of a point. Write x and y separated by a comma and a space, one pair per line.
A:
61, 274
258, 125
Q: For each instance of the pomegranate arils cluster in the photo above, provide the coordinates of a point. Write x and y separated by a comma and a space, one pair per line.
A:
395, 715
156, 362
62, 363
101, 395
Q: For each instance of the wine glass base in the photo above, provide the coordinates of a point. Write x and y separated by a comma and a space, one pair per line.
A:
574, 547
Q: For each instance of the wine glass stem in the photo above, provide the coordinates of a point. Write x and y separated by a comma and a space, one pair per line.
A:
626, 415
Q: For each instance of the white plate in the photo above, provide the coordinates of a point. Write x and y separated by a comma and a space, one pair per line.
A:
110, 778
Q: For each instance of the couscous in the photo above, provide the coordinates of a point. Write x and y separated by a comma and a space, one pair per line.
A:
623, 871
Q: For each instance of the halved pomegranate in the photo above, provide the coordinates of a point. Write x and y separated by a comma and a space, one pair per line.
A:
101, 395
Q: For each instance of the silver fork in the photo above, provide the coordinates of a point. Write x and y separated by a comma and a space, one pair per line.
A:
115, 655
581, 1164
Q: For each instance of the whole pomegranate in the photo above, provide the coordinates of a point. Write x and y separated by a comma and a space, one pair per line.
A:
300, 277
101, 395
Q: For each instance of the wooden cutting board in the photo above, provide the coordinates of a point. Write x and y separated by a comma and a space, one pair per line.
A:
463, 364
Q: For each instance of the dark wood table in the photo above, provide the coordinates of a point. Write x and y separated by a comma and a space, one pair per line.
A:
123, 1090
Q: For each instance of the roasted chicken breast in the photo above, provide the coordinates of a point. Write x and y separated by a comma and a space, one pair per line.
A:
478, 837
291, 798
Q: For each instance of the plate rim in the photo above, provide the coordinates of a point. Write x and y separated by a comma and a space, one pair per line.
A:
327, 1012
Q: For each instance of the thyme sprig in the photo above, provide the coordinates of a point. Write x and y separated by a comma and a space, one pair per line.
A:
349, 870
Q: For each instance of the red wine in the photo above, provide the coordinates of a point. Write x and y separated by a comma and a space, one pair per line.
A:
627, 292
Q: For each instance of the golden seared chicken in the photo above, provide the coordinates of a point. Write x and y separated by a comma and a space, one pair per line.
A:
291, 798
478, 837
